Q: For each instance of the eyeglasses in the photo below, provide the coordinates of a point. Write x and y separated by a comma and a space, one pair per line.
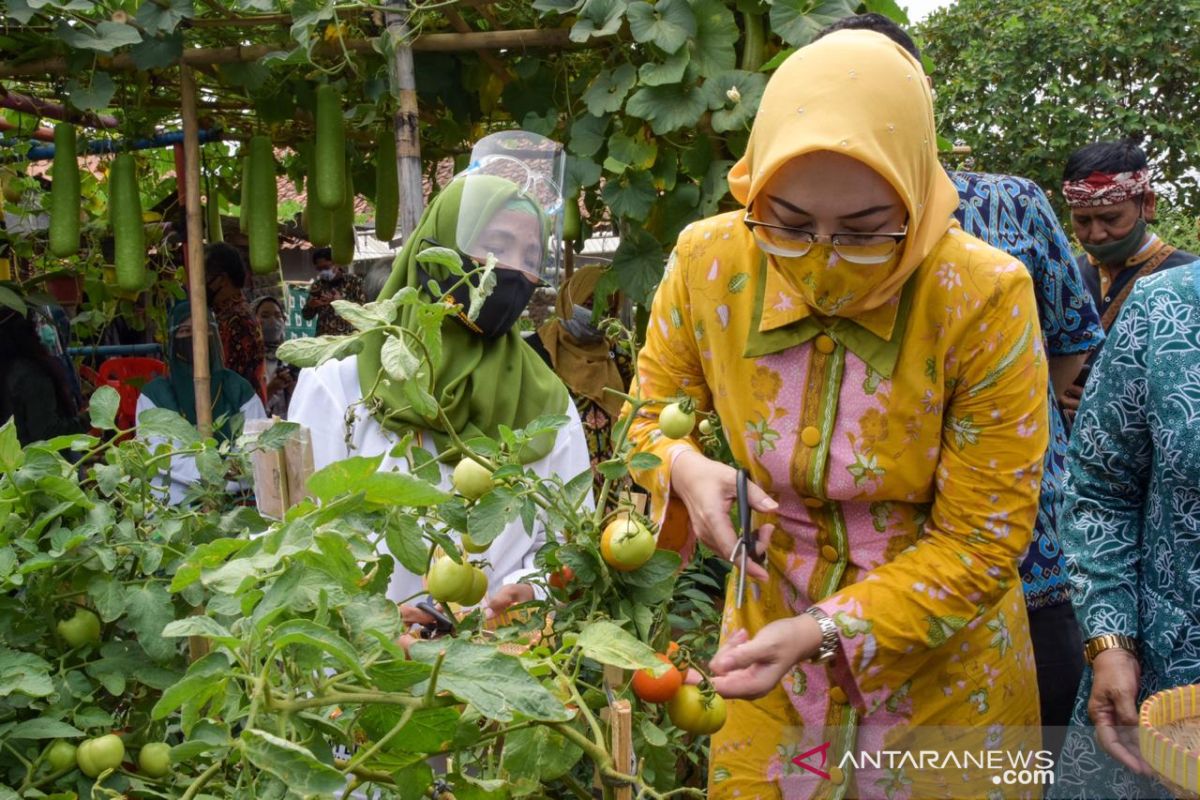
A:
856, 248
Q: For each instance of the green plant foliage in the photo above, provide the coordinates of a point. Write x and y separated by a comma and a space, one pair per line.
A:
1024, 84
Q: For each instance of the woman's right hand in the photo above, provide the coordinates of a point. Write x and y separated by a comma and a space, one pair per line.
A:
709, 489
1116, 675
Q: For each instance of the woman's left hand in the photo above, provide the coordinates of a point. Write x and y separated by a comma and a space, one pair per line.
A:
507, 596
749, 668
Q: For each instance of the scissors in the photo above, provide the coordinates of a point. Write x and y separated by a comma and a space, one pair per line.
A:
442, 625
747, 544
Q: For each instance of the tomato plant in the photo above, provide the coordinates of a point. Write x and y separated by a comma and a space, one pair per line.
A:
676, 421
239, 656
626, 544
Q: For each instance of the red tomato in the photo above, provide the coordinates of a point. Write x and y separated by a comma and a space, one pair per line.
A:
657, 689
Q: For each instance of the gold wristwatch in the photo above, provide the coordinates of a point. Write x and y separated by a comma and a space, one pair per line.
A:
1107, 641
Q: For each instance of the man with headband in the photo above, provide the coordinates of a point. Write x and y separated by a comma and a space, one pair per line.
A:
1107, 187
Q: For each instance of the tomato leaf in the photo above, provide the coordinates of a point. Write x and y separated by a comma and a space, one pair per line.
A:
23, 673
162, 423
149, 609
102, 408
200, 676
539, 753
402, 489
342, 477
304, 632
488, 518
296, 766
496, 684
406, 544
42, 728
610, 644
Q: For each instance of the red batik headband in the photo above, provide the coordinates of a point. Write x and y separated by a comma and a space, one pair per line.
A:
1106, 188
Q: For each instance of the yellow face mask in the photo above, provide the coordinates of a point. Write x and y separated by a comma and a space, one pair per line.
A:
830, 285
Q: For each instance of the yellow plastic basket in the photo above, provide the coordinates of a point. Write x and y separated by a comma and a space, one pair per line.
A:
1169, 735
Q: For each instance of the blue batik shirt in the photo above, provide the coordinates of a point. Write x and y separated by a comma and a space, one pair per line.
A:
1014, 215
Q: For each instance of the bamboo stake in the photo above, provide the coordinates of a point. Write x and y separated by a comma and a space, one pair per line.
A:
194, 257
407, 122
621, 720
428, 43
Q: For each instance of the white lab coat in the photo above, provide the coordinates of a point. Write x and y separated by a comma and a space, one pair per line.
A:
323, 396
183, 467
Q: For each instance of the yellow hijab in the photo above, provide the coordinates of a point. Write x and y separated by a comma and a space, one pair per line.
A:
586, 369
860, 94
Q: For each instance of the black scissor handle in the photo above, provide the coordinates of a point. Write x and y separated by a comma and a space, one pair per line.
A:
749, 541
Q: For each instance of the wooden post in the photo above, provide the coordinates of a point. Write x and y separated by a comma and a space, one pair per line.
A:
408, 138
621, 720
194, 255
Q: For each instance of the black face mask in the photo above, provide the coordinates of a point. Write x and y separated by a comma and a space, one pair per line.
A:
183, 349
501, 309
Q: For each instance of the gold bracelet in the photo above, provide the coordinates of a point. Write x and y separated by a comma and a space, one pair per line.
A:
1107, 641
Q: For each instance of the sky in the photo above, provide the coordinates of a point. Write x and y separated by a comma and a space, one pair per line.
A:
919, 9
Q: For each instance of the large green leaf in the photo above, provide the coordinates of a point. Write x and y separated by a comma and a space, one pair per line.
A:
166, 424
637, 151
11, 455
296, 766
734, 98
201, 674
310, 351
342, 477
103, 407
164, 16
716, 34
310, 634
149, 609
798, 21
93, 95
496, 684
406, 544
427, 731
608, 89
668, 24
587, 135
488, 518
23, 673
598, 18
401, 489
539, 753
43, 728
632, 196
581, 173
106, 37
610, 644
668, 107
669, 71
10, 299
157, 52
398, 358
638, 263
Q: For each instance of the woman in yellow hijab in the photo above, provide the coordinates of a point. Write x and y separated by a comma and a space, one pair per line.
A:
881, 379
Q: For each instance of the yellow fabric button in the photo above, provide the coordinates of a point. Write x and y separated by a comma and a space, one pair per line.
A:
838, 696
810, 436
825, 344
814, 502
829, 553
836, 776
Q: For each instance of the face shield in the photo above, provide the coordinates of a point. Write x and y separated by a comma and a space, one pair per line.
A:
512, 203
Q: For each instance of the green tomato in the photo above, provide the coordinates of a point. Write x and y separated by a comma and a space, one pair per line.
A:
478, 590
626, 544
706, 427
468, 545
472, 480
449, 582
675, 423
97, 755
154, 759
61, 755
693, 711
81, 629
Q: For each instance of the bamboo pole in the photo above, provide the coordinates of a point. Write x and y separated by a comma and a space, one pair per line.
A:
407, 122
44, 108
427, 43
621, 720
194, 255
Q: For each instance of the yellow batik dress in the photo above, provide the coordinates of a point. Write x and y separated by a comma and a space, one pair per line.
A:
904, 448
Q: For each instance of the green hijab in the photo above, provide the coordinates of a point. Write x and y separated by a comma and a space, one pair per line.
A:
481, 384
177, 391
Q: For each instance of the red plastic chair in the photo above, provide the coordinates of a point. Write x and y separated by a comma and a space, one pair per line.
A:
128, 375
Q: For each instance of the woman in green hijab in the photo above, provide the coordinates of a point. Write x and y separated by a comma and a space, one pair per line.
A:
488, 376
231, 395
